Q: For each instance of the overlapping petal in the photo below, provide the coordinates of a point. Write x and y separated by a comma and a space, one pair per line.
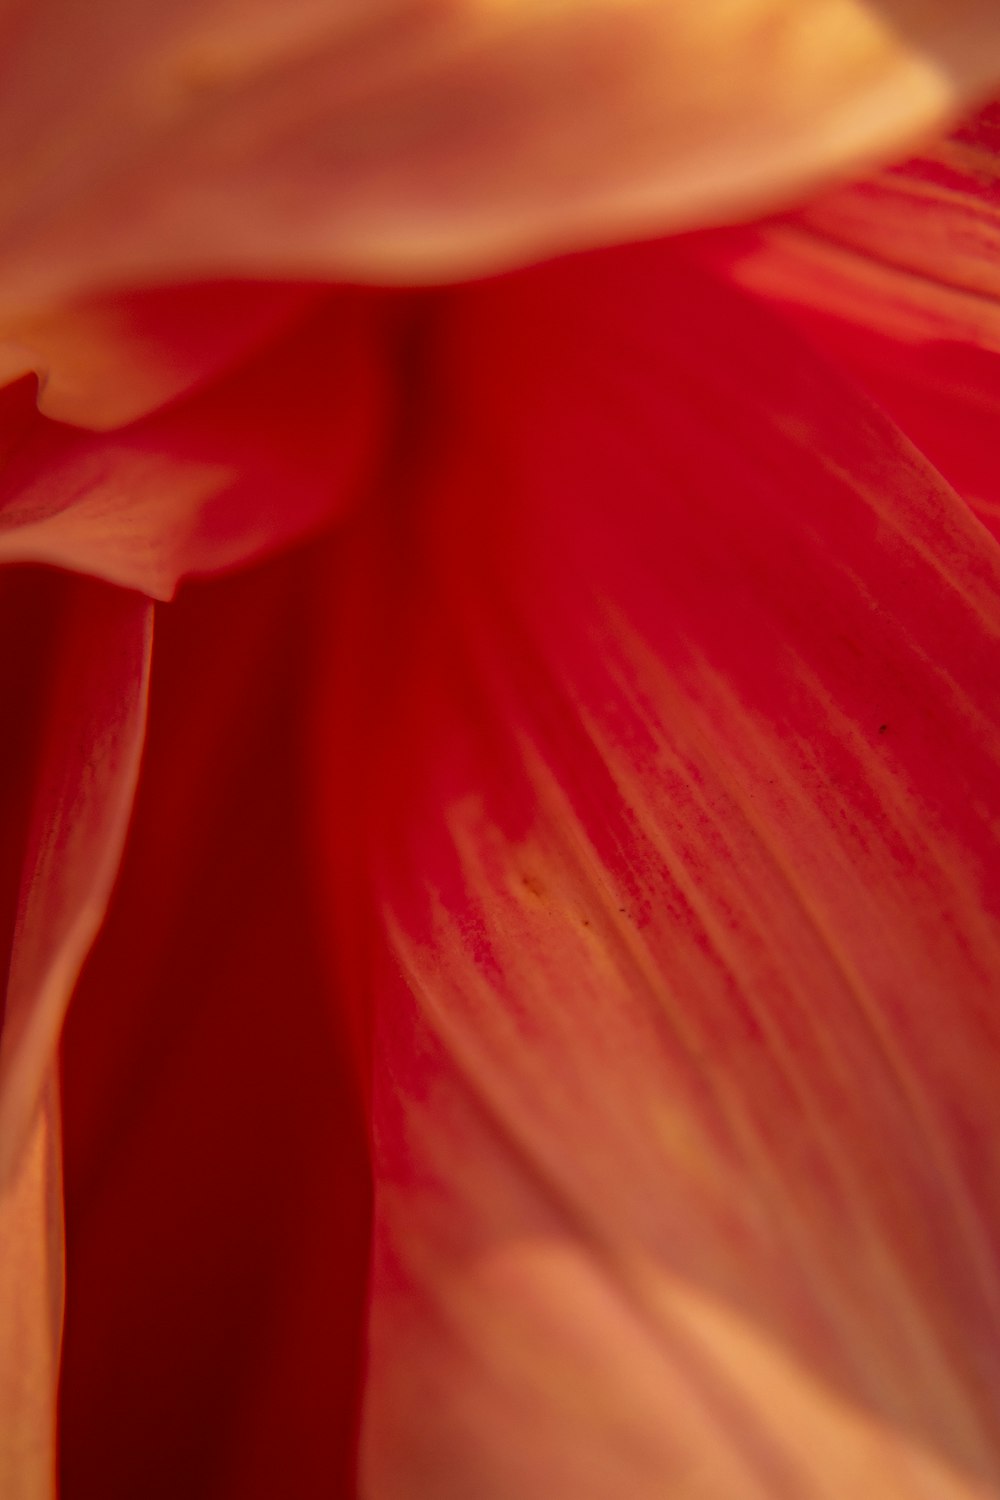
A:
897, 278
70, 774
272, 451
680, 825
104, 361
659, 753
416, 138
261, 427
217, 1191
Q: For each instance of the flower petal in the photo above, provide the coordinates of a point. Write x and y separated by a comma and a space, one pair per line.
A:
681, 823
77, 798
417, 138
81, 800
217, 1186
31, 1285
898, 278
270, 452
912, 252
109, 360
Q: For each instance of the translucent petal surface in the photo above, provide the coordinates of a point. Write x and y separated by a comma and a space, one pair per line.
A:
680, 822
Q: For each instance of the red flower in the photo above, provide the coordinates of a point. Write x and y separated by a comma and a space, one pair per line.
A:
534, 973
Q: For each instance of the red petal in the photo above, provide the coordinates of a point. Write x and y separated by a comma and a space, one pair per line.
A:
899, 279
682, 814
104, 362
216, 1173
271, 452
77, 701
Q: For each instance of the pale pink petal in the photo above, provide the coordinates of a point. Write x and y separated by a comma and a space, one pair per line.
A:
678, 805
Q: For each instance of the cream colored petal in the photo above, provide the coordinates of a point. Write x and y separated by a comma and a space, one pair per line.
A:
424, 138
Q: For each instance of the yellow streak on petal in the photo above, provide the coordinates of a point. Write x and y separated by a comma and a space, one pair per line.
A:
708, 1171
917, 259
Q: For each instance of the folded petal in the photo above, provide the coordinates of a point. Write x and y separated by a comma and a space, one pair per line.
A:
413, 139
76, 709
87, 756
104, 361
679, 813
911, 252
271, 451
898, 278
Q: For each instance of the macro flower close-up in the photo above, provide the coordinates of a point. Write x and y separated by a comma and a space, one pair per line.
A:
500, 843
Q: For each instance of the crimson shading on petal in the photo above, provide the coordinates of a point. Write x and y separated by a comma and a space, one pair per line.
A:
681, 796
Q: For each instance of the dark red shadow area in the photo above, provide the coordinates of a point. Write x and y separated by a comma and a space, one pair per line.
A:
32, 602
217, 1183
